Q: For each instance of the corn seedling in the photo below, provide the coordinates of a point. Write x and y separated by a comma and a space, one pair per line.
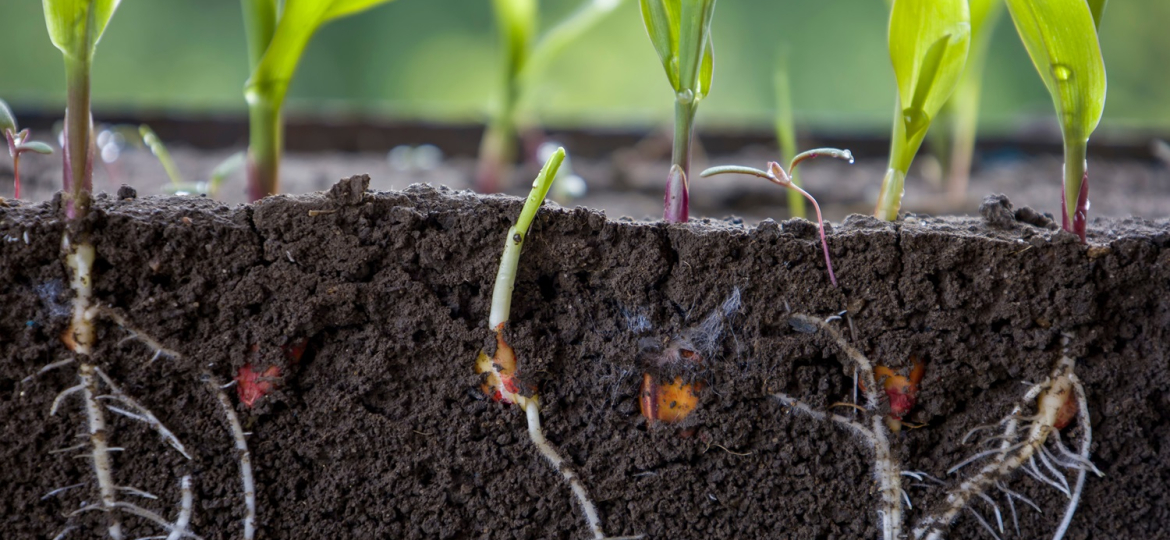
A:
928, 48
680, 31
1058, 400
18, 144
963, 108
179, 185
786, 129
278, 32
778, 176
524, 59
1061, 39
500, 370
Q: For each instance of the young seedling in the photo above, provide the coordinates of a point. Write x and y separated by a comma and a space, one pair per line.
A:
681, 33
18, 144
524, 60
1061, 39
928, 47
278, 32
501, 382
778, 176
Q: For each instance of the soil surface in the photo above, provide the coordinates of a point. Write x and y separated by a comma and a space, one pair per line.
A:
629, 182
379, 429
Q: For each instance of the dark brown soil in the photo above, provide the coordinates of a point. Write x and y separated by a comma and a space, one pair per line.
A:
379, 431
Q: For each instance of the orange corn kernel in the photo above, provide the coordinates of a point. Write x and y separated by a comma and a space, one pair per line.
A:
501, 382
902, 391
1068, 411
668, 403
251, 385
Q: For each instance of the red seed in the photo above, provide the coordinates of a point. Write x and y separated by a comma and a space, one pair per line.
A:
252, 385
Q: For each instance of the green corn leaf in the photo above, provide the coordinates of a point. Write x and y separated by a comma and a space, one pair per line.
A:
299, 20
75, 26
928, 48
706, 69
260, 18
662, 23
7, 119
693, 40
516, 21
1061, 38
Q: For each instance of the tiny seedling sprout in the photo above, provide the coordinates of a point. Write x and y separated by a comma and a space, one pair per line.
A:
501, 382
681, 34
778, 176
928, 47
1061, 39
278, 32
18, 144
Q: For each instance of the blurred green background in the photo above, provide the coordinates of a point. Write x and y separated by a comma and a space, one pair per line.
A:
436, 60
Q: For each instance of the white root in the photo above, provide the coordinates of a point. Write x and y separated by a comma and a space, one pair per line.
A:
48, 368
100, 454
245, 457
1011, 456
886, 470
532, 413
141, 414
142, 337
60, 490
80, 259
1083, 457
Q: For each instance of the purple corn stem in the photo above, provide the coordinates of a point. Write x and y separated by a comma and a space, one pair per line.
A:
781, 178
1076, 183
677, 202
776, 175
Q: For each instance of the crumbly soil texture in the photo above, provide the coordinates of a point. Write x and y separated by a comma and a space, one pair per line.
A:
380, 430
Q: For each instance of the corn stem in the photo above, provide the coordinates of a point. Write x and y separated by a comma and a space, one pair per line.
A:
677, 200
1074, 207
79, 152
514, 243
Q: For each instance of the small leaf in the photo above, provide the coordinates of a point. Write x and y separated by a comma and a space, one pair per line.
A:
928, 48
661, 20
75, 26
298, 22
693, 38
516, 21
7, 119
1061, 38
36, 146
706, 69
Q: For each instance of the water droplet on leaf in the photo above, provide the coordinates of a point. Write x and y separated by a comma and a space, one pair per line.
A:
1061, 72
916, 120
686, 96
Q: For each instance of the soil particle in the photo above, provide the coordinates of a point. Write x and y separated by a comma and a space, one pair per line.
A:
379, 430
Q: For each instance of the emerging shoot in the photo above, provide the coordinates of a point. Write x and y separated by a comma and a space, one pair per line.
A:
681, 34
524, 59
278, 32
778, 176
18, 144
928, 47
500, 382
1061, 38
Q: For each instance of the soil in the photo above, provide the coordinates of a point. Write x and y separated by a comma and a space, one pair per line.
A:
380, 431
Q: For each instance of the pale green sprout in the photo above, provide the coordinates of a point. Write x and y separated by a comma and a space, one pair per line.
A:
500, 370
278, 32
680, 31
1061, 39
929, 41
525, 58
